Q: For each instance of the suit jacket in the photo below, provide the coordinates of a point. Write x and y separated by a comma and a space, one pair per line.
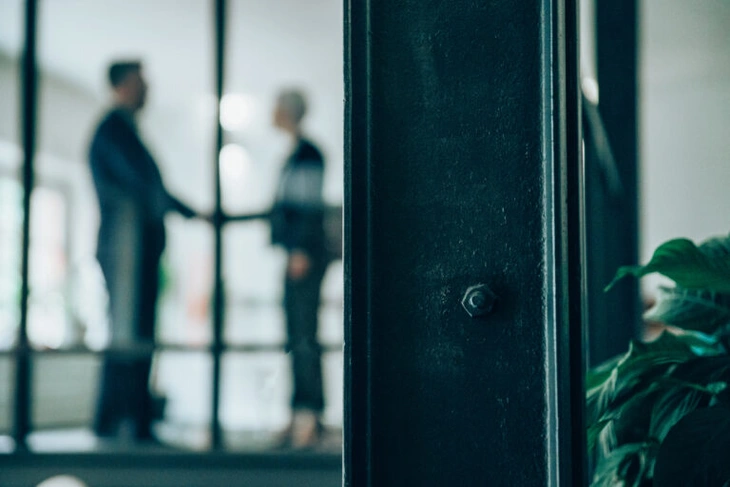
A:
132, 202
129, 187
298, 212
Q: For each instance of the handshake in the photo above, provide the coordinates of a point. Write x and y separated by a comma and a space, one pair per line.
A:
217, 218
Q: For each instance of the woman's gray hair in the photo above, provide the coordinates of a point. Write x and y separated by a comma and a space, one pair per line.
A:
294, 103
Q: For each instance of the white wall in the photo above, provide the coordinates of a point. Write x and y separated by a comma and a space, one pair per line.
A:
66, 112
685, 120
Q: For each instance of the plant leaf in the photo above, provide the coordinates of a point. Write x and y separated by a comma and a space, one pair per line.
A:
670, 407
668, 348
704, 371
627, 465
696, 451
683, 262
690, 385
600, 373
716, 387
642, 366
594, 432
691, 309
716, 247
701, 344
640, 360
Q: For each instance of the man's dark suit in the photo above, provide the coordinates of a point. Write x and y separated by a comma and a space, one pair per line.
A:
132, 202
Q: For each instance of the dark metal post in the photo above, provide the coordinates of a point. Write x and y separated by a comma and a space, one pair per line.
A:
28, 80
576, 253
358, 240
463, 172
613, 223
218, 291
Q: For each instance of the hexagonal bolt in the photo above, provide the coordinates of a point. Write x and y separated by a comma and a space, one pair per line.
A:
478, 300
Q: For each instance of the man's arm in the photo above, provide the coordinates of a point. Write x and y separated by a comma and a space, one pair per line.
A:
116, 161
112, 162
180, 207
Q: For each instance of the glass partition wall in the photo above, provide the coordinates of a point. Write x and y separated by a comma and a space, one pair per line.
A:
269, 50
233, 358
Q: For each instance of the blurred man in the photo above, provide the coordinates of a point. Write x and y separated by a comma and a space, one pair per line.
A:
297, 226
133, 202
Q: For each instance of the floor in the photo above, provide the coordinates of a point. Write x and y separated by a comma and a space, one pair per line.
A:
172, 437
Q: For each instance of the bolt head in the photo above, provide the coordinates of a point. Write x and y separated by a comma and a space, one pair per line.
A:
478, 300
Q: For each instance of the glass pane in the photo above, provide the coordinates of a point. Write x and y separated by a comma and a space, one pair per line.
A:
11, 39
334, 368
256, 398
11, 189
11, 207
7, 381
70, 302
66, 391
283, 118
183, 379
331, 331
64, 394
252, 275
11, 224
49, 323
115, 263
271, 46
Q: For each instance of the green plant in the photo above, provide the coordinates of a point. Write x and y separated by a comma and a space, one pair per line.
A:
660, 414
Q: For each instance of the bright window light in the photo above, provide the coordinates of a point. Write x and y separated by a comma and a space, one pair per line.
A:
590, 89
235, 163
237, 111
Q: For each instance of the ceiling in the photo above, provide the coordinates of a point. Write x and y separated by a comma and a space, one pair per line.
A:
269, 42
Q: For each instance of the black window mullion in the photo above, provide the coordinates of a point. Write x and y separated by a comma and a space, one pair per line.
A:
28, 82
218, 304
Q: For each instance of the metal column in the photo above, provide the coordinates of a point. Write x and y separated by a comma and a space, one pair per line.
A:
463, 168
613, 216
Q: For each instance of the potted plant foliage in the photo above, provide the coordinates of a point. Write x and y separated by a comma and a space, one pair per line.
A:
660, 414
